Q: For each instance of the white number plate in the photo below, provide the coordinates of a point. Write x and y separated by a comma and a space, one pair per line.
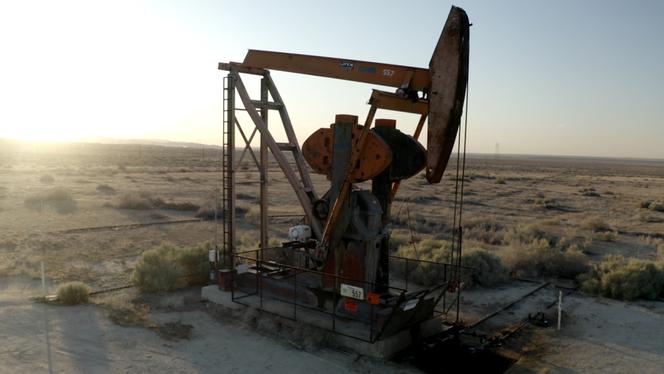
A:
352, 291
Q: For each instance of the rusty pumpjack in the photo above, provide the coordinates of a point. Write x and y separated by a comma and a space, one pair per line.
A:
344, 242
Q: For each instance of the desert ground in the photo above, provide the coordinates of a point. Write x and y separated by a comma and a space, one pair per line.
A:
79, 210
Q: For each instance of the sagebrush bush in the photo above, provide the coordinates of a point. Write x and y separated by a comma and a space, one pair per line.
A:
656, 206
619, 278
541, 258
596, 224
487, 269
137, 201
167, 267
484, 230
105, 189
58, 198
253, 216
73, 293
422, 273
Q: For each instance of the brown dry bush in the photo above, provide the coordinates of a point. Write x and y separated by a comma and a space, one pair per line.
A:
73, 293
619, 278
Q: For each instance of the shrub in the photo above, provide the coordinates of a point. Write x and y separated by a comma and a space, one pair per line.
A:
209, 209
548, 203
596, 224
166, 268
397, 240
500, 181
137, 201
488, 269
57, 198
253, 216
73, 293
423, 273
656, 206
105, 189
484, 230
540, 258
145, 201
618, 278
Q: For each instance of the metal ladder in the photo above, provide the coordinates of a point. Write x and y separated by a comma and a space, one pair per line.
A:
228, 149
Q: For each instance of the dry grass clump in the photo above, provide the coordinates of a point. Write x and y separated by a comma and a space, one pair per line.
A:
166, 268
47, 178
73, 293
105, 189
619, 278
58, 198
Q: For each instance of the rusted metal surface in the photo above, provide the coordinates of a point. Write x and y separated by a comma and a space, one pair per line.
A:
373, 159
340, 68
392, 101
448, 69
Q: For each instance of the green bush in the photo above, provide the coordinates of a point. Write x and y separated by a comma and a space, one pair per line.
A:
619, 278
166, 268
488, 269
73, 293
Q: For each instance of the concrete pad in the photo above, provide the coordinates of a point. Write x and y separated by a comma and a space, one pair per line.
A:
382, 349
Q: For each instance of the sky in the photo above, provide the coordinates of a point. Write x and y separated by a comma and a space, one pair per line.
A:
562, 77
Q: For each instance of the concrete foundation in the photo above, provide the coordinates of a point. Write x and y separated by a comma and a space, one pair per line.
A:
383, 348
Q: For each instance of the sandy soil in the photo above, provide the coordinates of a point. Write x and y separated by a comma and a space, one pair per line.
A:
82, 339
598, 335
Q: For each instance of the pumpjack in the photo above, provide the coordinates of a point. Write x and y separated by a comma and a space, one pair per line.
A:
338, 260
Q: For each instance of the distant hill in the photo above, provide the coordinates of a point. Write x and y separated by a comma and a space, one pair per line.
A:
158, 142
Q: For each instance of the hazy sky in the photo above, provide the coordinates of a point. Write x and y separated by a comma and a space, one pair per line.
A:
546, 77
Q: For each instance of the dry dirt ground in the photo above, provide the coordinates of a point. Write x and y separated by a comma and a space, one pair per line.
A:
560, 195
